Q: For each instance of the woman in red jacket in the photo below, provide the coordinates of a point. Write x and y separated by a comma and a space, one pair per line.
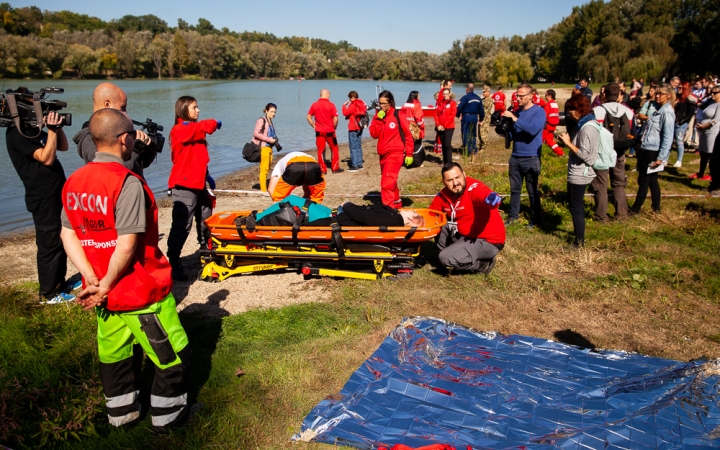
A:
445, 120
395, 146
413, 109
189, 172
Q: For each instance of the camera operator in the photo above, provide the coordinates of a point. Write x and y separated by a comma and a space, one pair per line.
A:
525, 158
43, 177
108, 95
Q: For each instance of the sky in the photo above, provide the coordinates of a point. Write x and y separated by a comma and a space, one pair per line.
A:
408, 25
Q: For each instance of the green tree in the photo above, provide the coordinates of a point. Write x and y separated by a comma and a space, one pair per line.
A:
82, 59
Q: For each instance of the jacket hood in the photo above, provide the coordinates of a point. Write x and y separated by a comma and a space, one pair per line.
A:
617, 109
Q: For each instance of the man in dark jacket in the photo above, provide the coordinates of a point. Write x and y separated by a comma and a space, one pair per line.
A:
470, 111
108, 95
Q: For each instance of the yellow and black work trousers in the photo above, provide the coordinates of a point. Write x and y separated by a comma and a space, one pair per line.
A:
122, 338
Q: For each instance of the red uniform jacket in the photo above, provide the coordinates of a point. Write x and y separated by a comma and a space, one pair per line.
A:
553, 115
539, 100
475, 218
387, 132
415, 114
89, 199
352, 112
498, 99
189, 153
445, 115
514, 101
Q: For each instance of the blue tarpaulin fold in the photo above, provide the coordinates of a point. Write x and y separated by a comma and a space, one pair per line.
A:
431, 381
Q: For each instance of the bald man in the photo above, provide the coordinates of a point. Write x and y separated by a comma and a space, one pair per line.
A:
325, 122
108, 95
110, 233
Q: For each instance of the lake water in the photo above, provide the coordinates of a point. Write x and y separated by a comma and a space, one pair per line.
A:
237, 103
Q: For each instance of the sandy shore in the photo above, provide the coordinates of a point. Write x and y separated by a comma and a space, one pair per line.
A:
241, 293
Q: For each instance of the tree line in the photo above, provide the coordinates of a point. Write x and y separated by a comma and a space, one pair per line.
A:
620, 39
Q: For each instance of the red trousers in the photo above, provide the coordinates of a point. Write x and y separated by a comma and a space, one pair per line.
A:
331, 141
548, 137
390, 165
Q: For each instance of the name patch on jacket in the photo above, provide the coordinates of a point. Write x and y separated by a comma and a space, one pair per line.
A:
86, 202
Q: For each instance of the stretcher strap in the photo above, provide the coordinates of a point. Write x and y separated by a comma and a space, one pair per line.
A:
337, 236
410, 234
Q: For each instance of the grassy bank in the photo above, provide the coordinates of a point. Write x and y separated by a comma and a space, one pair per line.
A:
649, 284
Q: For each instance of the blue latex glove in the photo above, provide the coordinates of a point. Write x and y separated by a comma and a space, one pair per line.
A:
210, 181
408, 160
493, 199
381, 115
219, 122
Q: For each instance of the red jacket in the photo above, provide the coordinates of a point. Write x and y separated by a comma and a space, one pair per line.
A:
415, 114
539, 100
514, 101
445, 115
352, 113
553, 114
498, 99
89, 198
474, 217
189, 153
387, 132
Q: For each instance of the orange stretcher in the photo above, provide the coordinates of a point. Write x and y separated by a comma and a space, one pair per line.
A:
349, 252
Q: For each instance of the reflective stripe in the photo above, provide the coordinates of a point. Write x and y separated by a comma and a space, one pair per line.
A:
161, 421
168, 402
122, 400
122, 420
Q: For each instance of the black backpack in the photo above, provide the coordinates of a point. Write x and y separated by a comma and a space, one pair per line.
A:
620, 128
251, 150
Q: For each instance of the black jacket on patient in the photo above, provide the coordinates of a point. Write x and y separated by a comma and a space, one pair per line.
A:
365, 215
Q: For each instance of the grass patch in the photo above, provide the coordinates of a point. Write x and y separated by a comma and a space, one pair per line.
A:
649, 284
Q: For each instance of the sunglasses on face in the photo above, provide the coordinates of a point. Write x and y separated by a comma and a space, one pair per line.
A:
131, 133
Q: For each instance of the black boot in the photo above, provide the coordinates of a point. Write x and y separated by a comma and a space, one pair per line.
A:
178, 274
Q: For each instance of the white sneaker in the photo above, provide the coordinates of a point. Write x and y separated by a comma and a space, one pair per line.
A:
59, 298
678, 164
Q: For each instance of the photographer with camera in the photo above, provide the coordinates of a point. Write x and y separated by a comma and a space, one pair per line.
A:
108, 95
526, 135
264, 136
33, 153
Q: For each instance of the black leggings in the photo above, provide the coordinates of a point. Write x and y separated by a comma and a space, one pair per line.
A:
704, 159
576, 206
446, 141
646, 180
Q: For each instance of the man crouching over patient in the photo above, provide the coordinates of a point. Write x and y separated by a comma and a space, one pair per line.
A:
475, 232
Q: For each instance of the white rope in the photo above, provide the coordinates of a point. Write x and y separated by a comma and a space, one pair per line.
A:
265, 194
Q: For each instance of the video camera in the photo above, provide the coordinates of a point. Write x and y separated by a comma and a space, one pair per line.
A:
503, 126
23, 107
148, 152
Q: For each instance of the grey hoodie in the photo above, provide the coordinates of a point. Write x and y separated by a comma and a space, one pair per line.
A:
86, 149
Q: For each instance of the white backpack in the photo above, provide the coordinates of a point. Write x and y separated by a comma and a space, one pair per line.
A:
607, 156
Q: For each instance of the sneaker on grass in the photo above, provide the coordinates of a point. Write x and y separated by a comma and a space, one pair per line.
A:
61, 297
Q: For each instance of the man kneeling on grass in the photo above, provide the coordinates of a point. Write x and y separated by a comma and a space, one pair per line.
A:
475, 232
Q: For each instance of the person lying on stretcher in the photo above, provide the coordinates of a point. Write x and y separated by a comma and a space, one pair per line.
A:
284, 212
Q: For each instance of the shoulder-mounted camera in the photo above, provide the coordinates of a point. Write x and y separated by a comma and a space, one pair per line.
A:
25, 109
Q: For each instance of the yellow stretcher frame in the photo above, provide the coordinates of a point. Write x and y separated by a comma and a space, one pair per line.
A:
235, 258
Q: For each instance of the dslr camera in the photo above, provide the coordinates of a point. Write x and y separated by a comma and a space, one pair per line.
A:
22, 108
503, 126
148, 152
277, 145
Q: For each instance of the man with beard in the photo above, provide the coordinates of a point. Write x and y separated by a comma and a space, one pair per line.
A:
475, 232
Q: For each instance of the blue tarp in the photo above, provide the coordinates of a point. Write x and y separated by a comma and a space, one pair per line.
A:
431, 381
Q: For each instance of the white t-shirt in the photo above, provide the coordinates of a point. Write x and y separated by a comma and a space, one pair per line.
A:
279, 168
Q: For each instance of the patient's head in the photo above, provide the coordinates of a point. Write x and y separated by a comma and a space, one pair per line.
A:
412, 219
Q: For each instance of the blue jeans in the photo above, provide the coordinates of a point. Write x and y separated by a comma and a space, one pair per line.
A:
469, 128
356, 156
679, 138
